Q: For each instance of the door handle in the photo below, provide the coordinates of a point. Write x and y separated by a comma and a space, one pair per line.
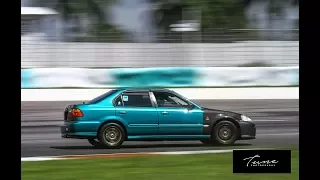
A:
123, 112
164, 112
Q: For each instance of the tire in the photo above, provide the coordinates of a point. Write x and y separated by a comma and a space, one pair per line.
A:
206, 141
225, 133
94, 142
112, 135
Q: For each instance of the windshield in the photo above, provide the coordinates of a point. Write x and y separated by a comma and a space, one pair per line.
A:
101, 97
179, 95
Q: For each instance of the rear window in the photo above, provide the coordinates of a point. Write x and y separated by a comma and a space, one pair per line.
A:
102, 97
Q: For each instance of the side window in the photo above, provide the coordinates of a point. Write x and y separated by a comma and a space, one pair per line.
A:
118, 101
136, 99
165, 99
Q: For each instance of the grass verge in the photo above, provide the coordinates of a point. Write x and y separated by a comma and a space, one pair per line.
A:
176, 167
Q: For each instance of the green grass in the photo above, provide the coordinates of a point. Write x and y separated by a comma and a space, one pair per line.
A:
177, 167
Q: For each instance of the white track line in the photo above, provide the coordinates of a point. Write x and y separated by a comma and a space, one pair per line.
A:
279, 134
280, 120
25, 159
48, 158
195, 152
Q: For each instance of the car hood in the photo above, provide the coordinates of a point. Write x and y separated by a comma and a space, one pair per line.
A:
218, 111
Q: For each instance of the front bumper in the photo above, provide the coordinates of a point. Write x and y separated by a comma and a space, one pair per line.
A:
247, 130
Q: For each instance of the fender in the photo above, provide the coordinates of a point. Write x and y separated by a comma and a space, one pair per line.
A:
113, 118
211, 118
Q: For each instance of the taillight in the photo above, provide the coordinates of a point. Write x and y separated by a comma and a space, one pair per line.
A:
74, 113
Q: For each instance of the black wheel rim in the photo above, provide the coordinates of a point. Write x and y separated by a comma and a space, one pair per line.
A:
225, 132
112, 135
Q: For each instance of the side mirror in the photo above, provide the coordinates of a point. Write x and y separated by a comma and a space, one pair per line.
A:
190, 107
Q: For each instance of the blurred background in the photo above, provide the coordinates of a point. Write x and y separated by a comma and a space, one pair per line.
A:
159, 33
94, 44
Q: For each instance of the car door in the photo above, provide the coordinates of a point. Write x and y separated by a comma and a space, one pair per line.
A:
136, 108
174, 116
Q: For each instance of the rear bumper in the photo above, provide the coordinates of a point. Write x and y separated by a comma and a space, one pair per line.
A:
66, 129
69, 130
247, 130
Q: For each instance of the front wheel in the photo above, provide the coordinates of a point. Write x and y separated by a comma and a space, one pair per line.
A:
94, 142
112, 135
225, 133
206, 141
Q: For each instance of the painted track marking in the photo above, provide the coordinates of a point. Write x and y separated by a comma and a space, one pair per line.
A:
279, 134
118, 155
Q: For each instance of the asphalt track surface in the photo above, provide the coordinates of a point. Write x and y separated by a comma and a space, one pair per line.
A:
277, 126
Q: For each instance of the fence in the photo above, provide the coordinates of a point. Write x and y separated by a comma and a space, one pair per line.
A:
189, 51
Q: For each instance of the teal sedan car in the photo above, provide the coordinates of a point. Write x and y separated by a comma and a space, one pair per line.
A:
152, 115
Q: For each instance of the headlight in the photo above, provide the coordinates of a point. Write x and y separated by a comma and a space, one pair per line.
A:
245, 118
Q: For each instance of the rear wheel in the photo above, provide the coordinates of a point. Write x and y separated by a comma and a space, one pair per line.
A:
94, 142
112, 135
225, 133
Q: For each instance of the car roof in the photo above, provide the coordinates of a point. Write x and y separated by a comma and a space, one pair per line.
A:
143, 89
